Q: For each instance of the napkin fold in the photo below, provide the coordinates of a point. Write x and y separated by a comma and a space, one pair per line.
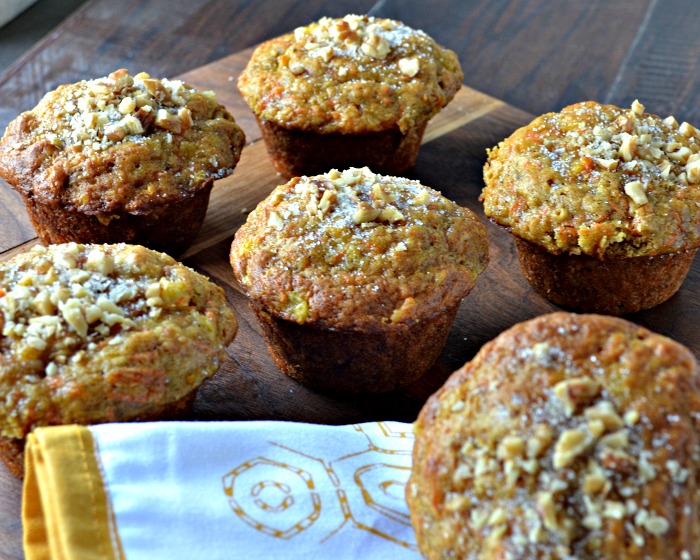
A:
218, 490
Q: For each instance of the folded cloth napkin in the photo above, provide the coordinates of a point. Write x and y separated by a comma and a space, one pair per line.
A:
214, 490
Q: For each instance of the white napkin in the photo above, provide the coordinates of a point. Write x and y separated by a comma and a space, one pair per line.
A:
210, 490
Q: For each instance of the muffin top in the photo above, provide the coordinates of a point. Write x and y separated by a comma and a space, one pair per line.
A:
359, 251
356, 74
120, 144
568, 436
598, 180
92, 332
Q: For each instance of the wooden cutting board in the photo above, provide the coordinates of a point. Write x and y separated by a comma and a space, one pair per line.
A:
249, 386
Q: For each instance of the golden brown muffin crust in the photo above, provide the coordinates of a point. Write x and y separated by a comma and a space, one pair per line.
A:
120, 144
598, 180
568, 436
95, 333
355, 74
358, 250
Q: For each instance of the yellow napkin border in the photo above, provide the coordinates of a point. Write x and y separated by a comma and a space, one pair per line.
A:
66, 515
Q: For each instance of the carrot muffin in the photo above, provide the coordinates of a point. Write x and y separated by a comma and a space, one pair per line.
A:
120, 159
604, 204
356, 278
103, 333
348, 92
568, 436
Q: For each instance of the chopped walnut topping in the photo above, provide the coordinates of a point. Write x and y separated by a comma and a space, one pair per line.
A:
687, 129
185, 116
127, 105
605, 412
692, 169
409, 66
671, 122
616, 440
609, 164
365, 213
75, 298
497, 517
275, 220
628, 147
637, 108
423, 197
511, 447
574, 392
569, 446
391, 215
540, 440
594, 483
635, 190
121, 107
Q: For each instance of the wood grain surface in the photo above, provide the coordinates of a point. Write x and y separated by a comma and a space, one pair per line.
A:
535, 54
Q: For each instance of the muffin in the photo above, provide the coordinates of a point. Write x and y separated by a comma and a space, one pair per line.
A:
120, 159
604, 204
345, 92
103, 333
356, 277
568, 436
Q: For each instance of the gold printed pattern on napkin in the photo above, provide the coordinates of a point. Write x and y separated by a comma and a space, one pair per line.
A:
277, 495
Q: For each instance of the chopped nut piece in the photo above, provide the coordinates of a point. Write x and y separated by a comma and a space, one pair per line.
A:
540, 440
596, 427
681, 154
637, 108
478, 519
185, 116
548, 510
168, 121
90, 120
115, 132
666, 167
605, 412
498, 516
275, 220
409, 66
423, 197
572, 392
628, 147
458, 503
692, 170
365, 213
327, 199
609, 164
616, 440
569, 446
594, 483
671, 121
391, 215
325, 53
510, 447
99, 261
635, 190
687, 129
375, 46
127, 105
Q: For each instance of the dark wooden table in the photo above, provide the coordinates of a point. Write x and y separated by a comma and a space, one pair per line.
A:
534, 55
